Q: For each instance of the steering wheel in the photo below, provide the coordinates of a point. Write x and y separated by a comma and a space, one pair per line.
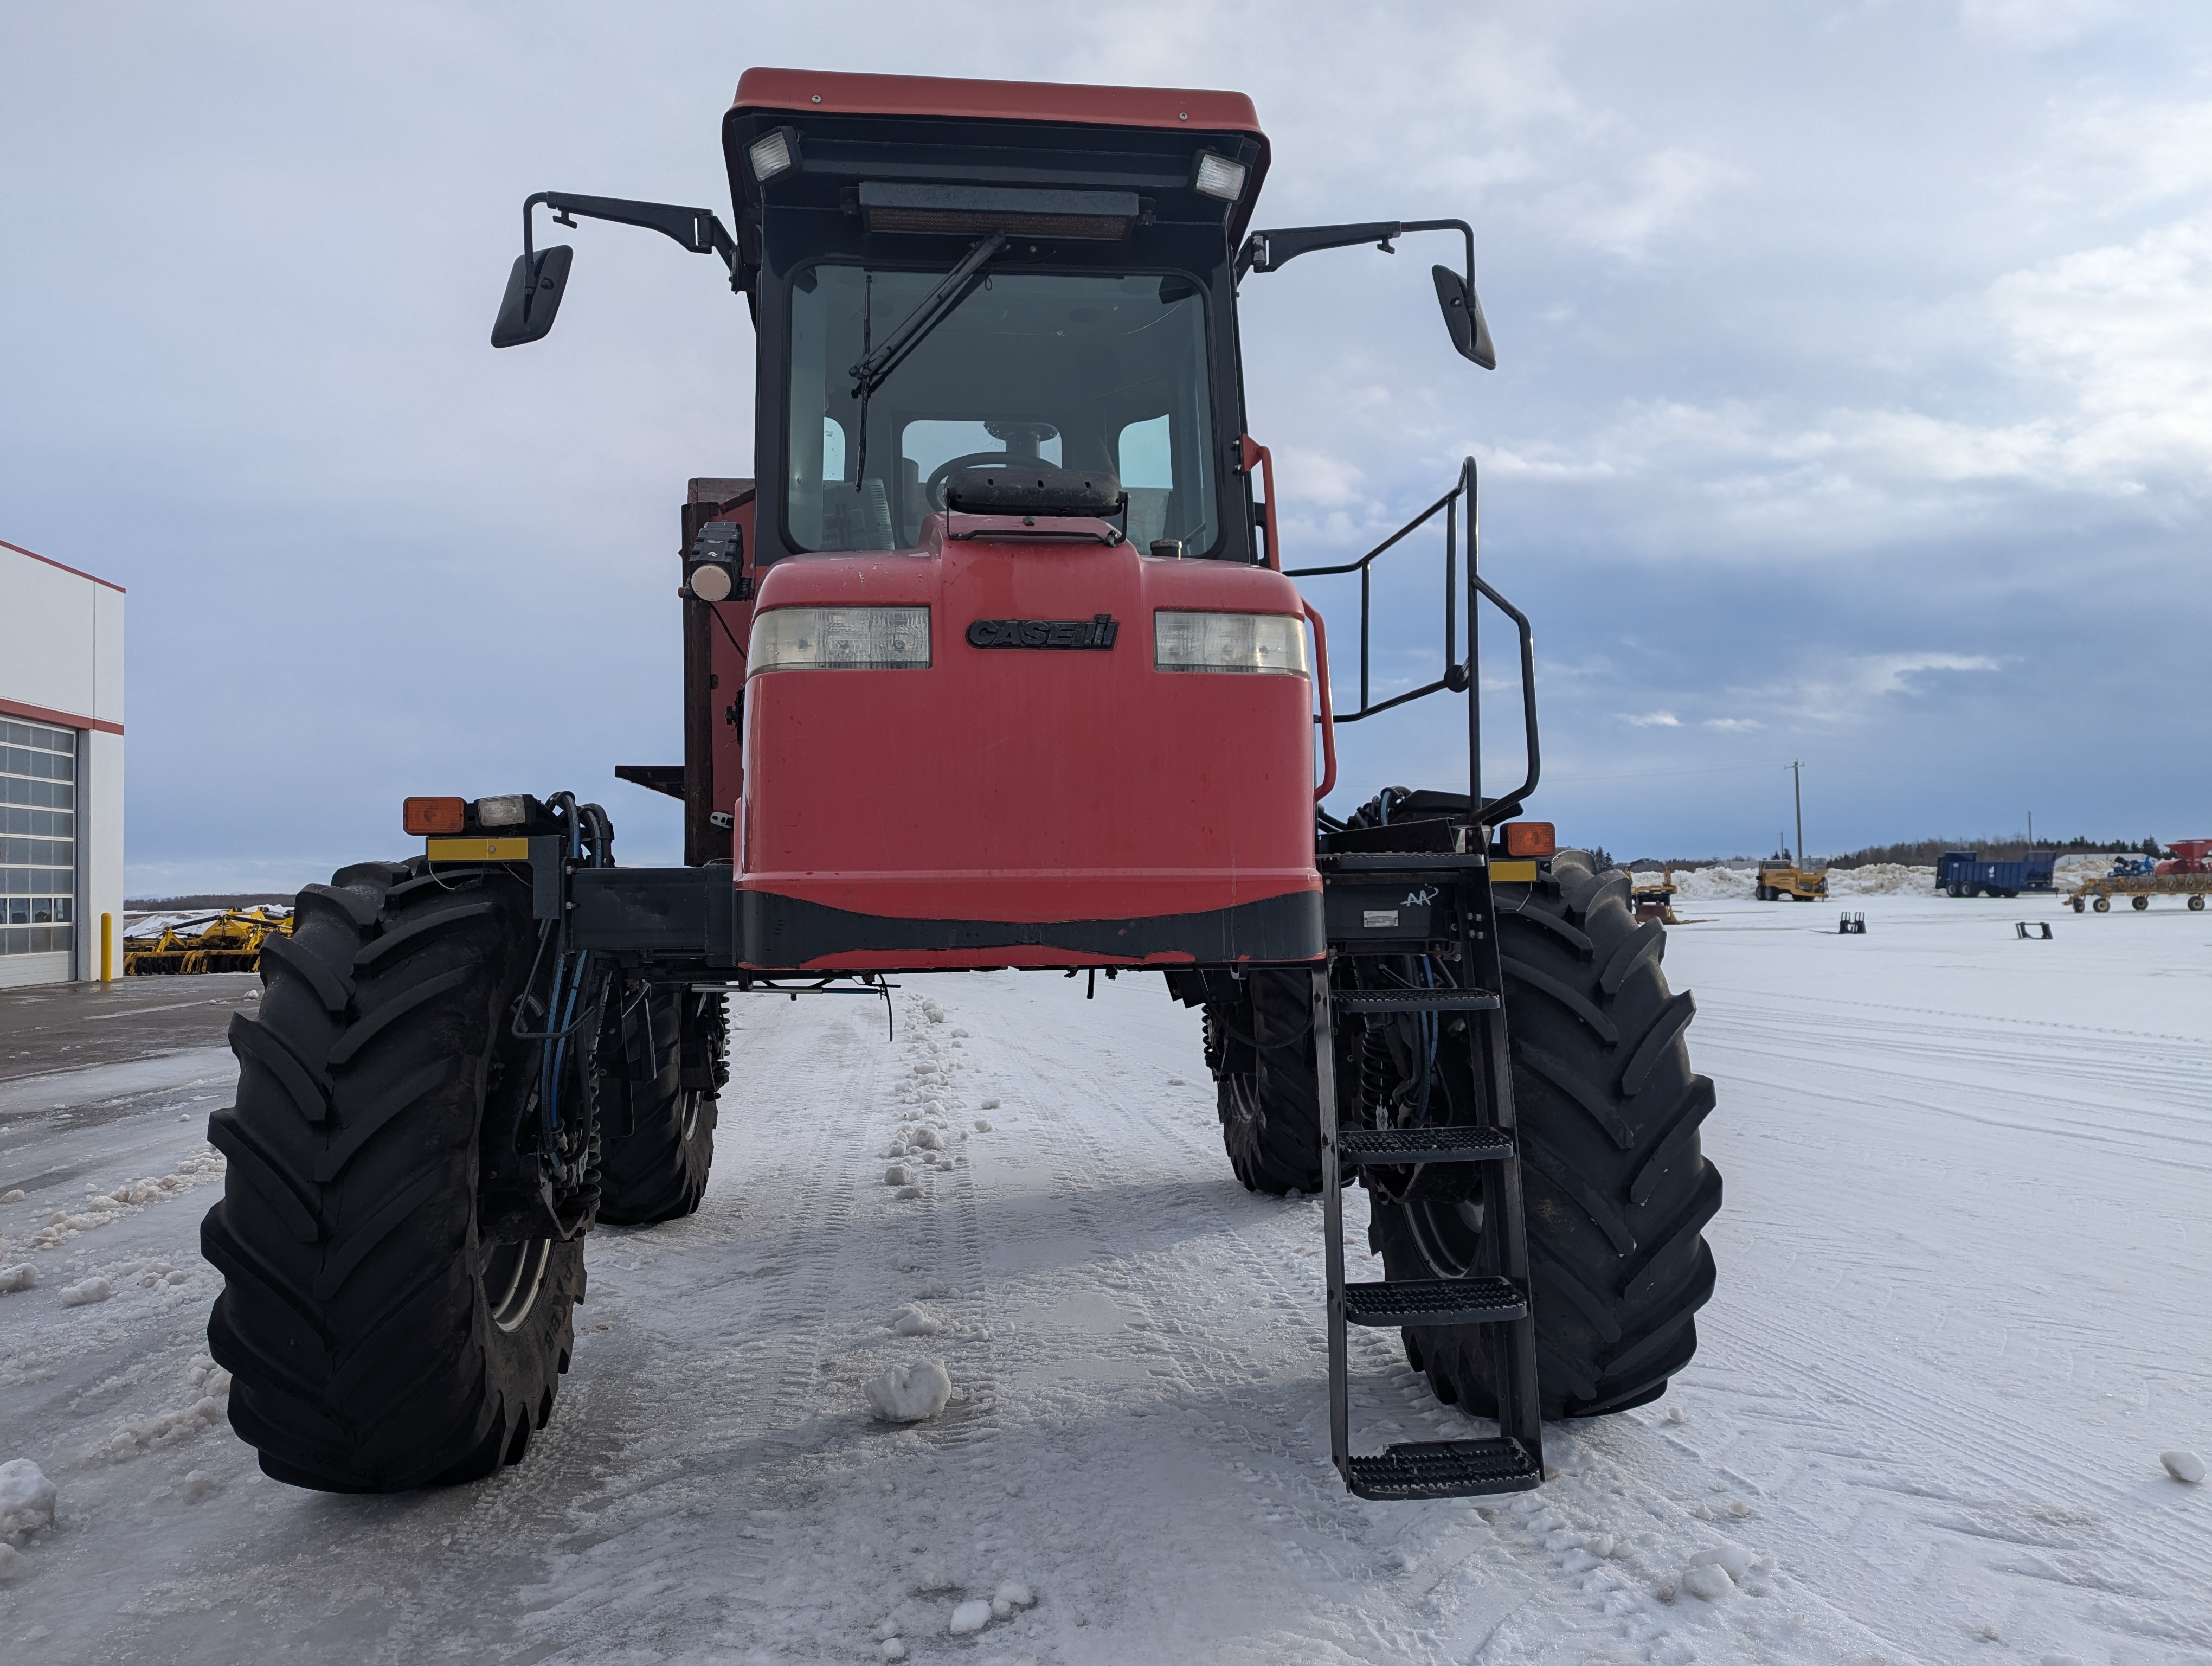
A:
934, 492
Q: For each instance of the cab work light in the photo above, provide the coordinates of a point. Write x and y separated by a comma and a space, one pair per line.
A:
841, 639
1217, 176
1271, 642
424, 817
1531, 839
772, 154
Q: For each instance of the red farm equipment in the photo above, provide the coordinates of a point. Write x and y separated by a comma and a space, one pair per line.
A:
992, 663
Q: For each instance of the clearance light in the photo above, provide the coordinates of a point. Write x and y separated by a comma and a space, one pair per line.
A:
1531, 839
1273, 642
1219, 177
771, 154
510, 811
422, 817
841, 639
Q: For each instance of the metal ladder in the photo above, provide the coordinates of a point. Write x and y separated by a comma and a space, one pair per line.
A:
1428, 901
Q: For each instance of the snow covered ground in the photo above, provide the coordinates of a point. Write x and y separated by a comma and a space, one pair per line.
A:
1963, 1308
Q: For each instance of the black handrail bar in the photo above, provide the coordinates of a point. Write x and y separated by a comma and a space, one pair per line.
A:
1459, 675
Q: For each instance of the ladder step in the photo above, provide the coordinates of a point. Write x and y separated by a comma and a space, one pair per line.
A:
1414, 1000
1434, 1301
1444, 1469
1402, 1145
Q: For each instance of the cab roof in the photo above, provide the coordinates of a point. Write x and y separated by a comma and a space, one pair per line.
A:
828, 93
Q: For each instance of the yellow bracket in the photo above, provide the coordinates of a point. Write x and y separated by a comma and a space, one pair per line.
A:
1513, 873
477, 850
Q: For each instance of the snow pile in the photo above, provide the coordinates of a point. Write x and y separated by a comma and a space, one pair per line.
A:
970, 1616
26, 1501
1702, 884
134, 1435
94, 1289
102, 1207
22, 1276
1717, 1573
2183, 1466
915, 1320
909, 1393
1881, 880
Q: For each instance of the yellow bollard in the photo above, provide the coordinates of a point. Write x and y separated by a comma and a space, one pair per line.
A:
107, 948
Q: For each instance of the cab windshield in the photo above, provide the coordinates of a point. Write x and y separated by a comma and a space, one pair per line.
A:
1084, 370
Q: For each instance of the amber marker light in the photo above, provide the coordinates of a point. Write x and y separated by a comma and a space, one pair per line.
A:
426, 816
1531, 839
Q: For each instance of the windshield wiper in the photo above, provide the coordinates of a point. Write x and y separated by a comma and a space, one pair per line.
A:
872, 372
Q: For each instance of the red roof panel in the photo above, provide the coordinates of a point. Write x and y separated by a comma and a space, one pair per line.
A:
835, 94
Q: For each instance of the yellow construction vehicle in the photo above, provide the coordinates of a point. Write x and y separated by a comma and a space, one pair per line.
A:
227, 942
1781, 874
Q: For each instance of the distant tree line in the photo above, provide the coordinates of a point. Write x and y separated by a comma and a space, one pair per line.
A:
1920, 852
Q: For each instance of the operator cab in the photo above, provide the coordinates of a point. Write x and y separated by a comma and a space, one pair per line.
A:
1051, 282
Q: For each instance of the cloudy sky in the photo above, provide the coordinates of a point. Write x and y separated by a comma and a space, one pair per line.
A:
1854, 404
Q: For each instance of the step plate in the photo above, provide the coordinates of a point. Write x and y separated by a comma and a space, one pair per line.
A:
1414, 1000
1387, 1147
1444, 1469
1434, 1301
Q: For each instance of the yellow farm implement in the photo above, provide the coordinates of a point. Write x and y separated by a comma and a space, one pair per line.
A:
228, 942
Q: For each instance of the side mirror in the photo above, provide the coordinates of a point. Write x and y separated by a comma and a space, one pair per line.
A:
1462, 317
533, 296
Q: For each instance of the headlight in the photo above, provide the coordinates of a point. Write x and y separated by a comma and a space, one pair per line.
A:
1273, 642
840, 639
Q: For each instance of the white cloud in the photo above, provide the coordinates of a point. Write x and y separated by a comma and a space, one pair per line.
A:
1653, 721
1734, 725
2035, 25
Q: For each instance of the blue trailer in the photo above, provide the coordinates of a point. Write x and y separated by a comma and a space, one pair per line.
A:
1964, 873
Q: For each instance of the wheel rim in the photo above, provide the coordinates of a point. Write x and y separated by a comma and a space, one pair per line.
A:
513, 1278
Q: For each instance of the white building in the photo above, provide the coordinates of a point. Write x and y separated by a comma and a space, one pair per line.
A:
61, 770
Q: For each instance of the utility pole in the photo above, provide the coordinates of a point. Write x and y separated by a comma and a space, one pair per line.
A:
1797, 790
2031, 829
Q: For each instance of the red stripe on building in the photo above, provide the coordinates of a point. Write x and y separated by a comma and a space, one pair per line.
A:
31, 714
50, 562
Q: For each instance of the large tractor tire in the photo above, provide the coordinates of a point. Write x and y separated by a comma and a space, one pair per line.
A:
1616, 1191
378, 1337
1261, 1052
661, 1067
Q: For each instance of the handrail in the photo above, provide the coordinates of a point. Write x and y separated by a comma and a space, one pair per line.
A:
1327, 717
1459, 675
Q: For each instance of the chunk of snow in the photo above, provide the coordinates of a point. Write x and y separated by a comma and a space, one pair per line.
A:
982, 1125
26, 1496
94, 1289
2183, 1465
970, 1616
13, 1195
1735, 1560
908, 1194
899, 1174
891, 1649
199, 1486
22, 1276
2060, 1660
927, 1139
910, 1394
1676, 1414
11, 1562
960, 1033
933, 1011
1013, 1593
1177, 1081
915, 1320
1708, 1582
1738, 1508
988, 1104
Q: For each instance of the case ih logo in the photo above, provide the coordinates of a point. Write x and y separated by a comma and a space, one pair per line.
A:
1099, 631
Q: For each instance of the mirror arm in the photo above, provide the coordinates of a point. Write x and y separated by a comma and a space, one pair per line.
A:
697, 229
1270, 251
